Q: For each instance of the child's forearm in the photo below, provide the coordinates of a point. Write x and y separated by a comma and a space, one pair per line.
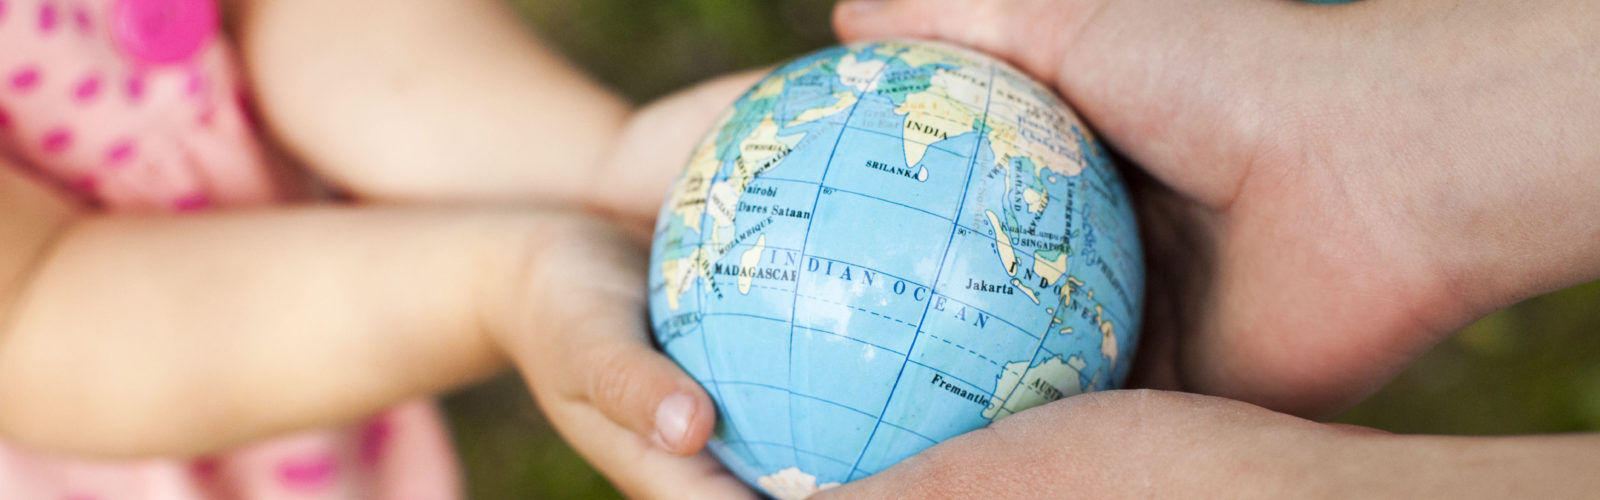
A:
140, 336
426, 99
31, 216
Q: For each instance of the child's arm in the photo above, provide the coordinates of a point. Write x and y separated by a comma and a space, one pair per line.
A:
127, 336
426, 99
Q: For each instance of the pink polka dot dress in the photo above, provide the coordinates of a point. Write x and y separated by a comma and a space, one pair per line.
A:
135, 105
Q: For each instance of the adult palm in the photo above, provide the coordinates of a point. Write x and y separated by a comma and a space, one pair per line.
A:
1322, 187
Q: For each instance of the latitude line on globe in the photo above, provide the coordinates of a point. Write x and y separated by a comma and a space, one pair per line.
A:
797, 449
944, 257
712, 371
806, 240
955, 221
913, 141
830, 403
951, 298
976, 387
824, 401
842, 406
1038, 347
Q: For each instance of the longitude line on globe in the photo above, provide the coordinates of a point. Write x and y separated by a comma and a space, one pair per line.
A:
700, 298
1061, 304
806, 240
949, 242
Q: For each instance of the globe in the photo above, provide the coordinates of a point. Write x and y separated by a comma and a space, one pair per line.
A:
882, 246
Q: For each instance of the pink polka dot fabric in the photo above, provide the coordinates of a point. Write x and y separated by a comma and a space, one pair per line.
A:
128, 133
114, 100
399, 455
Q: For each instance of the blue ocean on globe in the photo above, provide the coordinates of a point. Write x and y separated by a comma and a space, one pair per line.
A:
882, 246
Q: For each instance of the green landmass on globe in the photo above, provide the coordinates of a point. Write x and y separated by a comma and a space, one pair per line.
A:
882, 246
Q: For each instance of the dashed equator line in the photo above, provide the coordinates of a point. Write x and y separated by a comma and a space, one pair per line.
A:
820, 299
965, 348
858, 308
932, 294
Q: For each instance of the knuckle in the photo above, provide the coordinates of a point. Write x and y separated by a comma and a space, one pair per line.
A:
610, 380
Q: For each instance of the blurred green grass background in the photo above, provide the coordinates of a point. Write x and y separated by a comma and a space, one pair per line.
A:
1528, 369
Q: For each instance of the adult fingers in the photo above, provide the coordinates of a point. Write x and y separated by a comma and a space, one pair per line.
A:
1185, 88
1031, 33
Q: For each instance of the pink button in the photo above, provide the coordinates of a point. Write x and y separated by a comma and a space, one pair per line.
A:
163, 31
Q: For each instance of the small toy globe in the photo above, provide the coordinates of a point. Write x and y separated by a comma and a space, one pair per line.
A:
882, 246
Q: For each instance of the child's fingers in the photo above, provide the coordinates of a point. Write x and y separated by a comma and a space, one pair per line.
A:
638, 388
589, 343
635, 465
582, 344
658, 140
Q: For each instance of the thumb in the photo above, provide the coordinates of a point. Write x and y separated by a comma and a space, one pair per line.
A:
1029, 33
1040, 34
641, 390
586, 343
1167, 82
611, 366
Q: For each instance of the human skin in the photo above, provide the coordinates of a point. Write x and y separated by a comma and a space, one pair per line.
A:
438, 86
133, 336
1159, 444
1295, 178
1255, 202
140, 336
1349, 183
426, 101
126, 336
1327, 192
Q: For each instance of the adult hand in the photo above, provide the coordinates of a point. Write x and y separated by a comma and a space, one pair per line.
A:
1329, 189
1154, 444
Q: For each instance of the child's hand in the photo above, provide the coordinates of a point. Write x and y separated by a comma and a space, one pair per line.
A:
655, 145
578, 328
576, 325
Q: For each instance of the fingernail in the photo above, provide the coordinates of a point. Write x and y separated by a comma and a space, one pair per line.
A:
672, 421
